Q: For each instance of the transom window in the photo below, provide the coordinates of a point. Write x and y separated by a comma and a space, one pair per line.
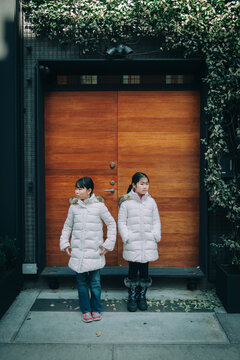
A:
89, 79
136, 79
131, 79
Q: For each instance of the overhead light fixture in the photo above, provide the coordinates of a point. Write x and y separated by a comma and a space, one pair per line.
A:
119, 51
112, 51
124, 50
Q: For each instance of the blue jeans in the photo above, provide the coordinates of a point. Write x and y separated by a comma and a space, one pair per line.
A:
93, 279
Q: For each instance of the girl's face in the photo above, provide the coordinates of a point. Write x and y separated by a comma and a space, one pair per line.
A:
82, 194
141, 188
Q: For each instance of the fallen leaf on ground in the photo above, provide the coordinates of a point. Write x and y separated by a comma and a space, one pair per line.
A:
98, 333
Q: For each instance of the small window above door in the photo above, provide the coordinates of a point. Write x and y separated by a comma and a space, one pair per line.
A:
127, 80
131, 79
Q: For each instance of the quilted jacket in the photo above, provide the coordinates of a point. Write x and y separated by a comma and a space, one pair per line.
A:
84, 222
140, 227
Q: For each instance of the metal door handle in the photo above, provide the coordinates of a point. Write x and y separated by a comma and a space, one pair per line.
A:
110, 190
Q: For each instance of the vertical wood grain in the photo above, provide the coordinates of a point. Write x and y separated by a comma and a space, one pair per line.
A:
159, 134
80, 140
156, 132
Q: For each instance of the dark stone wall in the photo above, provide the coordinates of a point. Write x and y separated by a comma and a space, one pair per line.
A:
10, 124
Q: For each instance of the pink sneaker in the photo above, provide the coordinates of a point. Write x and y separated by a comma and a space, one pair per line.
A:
87, 317
96, 316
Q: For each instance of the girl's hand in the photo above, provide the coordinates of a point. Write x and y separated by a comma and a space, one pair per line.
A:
104, 251
67, 250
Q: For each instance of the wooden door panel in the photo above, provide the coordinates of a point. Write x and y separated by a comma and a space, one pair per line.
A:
80, 140
158, 134
180, 163
89, 97
58, 199
64, 149
162, 144
171, 125
152, 97
151, 107
171, 186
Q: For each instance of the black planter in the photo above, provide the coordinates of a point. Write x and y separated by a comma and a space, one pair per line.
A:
228, 287
10, 286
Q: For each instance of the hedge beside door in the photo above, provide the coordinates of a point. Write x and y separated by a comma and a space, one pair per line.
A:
157, 132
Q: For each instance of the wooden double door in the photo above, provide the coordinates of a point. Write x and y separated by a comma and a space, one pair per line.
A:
110, 135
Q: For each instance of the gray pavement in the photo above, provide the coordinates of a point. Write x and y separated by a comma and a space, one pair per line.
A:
28, 334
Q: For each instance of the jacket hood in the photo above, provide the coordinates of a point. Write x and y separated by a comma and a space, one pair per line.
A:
124, 198
132, 196
93, 199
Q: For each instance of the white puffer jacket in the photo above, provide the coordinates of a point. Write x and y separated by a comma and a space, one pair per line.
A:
140, 227
84, 222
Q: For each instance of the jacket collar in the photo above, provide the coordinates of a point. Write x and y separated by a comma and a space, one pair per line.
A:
88, 201
135, 196
91, 200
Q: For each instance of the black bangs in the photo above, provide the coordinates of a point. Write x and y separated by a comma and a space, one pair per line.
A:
85, 182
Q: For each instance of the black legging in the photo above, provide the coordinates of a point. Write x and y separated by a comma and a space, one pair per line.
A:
134, 267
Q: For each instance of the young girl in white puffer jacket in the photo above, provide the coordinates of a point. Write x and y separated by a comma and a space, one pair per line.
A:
87, 249
140, 229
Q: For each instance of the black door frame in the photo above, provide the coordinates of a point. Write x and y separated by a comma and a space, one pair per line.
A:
44, 71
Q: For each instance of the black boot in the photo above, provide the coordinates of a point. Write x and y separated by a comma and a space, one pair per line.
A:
132, 286
142, 289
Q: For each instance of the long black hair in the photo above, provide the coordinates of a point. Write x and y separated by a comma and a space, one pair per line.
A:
136, 178
85, 182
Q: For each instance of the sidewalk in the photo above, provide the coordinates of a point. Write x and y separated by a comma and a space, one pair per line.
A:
46, 324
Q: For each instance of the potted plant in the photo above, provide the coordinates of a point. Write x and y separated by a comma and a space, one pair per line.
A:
226, 195
228, 271
228, 275
10, 272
